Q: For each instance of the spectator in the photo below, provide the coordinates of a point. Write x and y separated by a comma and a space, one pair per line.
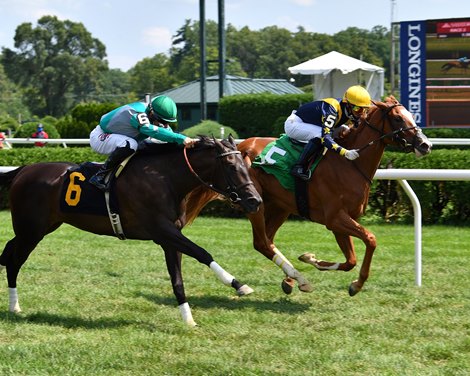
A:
40, 133
2, 138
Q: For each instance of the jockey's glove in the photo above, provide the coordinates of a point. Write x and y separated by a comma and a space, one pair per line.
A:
352, 154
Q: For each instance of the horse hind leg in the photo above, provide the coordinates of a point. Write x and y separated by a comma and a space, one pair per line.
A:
14, 255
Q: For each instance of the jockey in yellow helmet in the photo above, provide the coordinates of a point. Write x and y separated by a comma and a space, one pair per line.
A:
314, 122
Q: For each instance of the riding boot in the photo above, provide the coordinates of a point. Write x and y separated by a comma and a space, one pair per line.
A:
116, 157
300, 169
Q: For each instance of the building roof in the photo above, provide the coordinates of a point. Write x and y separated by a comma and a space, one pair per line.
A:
191, 91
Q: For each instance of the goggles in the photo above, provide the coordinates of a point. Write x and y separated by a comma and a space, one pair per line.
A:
359, 108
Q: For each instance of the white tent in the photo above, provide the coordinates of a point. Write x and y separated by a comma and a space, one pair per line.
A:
333, 73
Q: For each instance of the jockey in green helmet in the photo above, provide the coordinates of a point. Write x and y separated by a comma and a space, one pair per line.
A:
122, 129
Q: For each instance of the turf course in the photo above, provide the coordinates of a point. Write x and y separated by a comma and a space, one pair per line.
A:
94, 305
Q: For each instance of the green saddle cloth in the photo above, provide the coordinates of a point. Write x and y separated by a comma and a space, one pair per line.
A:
278, 157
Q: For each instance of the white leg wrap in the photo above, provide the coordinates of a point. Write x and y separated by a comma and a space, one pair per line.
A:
279, 258
186, 314
292, 272
225, 277
14, 306
2, 267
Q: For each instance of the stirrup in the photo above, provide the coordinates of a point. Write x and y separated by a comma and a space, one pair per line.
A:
299, 172
99, 182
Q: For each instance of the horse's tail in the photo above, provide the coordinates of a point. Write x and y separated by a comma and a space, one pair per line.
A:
196, 200
7, 177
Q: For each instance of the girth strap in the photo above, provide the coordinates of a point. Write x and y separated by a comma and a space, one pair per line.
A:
114, 217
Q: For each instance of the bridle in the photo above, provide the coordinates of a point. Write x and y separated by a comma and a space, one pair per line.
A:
393, 134
231, 189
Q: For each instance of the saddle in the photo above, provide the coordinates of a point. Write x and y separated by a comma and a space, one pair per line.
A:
79, 196
278, 158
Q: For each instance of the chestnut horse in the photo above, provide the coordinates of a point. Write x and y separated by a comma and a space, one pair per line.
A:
151, 193
338, 191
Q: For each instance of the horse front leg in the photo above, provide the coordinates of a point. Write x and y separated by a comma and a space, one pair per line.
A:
171, 239
343, 228
266, 247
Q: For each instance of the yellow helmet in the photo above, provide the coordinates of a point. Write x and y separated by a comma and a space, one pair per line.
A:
357, 96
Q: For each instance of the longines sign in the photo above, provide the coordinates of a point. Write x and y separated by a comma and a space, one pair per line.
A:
413, 68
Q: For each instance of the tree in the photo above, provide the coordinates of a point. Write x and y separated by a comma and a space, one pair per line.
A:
57, 63
151, 75
185, 60
11, 104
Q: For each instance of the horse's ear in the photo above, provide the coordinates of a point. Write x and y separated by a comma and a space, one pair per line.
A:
231, 139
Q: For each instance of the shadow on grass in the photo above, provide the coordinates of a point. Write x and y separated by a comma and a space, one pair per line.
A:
282, 305
69, 322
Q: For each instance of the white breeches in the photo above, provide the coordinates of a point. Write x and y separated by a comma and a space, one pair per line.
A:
106, 143
298, 130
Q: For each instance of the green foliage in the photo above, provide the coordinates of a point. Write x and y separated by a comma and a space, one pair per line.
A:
7, 123
57, 63
83, 119
51, 74
258, 114
27, 129
209, 128
151, 75
446, 202
11, 100
20, 157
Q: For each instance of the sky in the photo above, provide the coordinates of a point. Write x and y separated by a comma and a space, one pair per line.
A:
133, 31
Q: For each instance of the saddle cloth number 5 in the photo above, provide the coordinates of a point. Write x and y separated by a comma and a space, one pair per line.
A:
270, 157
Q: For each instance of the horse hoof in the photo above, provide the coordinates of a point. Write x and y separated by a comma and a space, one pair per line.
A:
308, 258
306, 287
353, 289
191, 324
244, 290
15, 310
287, 285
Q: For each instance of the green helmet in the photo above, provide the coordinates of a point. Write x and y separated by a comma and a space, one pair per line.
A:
164, 108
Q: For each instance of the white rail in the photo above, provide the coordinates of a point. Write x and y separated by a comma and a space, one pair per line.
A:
63, 141
414, 174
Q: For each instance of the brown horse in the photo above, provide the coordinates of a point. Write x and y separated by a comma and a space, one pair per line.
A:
338, 191
151, 192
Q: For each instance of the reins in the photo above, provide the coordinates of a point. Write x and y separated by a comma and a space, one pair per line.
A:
382, 136
231, 194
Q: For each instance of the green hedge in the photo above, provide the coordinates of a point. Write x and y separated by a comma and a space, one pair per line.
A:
442, 202
209, 128
258, 114
19, 157
83, 119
